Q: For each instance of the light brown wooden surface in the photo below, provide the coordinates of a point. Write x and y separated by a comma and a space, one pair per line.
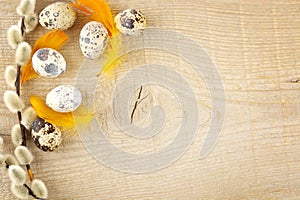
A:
256, 47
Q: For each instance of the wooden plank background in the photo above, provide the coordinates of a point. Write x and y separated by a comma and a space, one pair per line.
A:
256, 47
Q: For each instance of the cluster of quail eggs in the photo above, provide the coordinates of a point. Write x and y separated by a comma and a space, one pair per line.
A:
94, 36
50, 63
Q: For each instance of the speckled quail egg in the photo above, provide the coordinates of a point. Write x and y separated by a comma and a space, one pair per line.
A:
57, 16
64, 98
93, 39
48, 63
130, 22
45, 135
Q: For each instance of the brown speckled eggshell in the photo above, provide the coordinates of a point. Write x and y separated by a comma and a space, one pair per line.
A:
57, 16
45, 135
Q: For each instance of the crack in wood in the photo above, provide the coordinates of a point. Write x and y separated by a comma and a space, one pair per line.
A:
136, 104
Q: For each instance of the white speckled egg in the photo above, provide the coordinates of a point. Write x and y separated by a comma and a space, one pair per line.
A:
93, 39
45, 135
64, 98
130, 22
48, 63
57, 16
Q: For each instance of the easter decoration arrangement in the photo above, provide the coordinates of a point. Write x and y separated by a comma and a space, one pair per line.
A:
46, 120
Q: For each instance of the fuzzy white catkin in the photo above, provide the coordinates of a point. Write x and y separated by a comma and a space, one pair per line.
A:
28, 117
31, 21
17, 174
23, 155
39, 188
10, 75
26, 7
13, 102
10, 160
14, 36
23, 53
1, 142
16, 135
20, 191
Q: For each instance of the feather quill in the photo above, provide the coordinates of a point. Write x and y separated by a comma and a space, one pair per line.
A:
54, 40
64, 120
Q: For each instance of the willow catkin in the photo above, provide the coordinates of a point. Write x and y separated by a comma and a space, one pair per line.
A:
10, 75
10, 160
23, 53
16, 135
31, 21
39, 188
23, 155
17, 174
13, 102
20, 191
26, 7
14, 36
1, 142
28, 117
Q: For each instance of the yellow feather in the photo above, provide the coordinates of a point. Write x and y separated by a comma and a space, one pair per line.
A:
54, 40
64, 120
112, 52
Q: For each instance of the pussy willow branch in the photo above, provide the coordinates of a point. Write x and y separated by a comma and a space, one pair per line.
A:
18, 91
22, 127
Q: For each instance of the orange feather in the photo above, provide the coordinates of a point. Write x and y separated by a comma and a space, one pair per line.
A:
98, 10
64, 120
54, 40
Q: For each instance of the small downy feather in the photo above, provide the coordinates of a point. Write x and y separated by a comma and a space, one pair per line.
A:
16, 135
64, 120
54, 40
10, 75
98, 10
13, 102
26, 7
39, 188
23, 53
14, 36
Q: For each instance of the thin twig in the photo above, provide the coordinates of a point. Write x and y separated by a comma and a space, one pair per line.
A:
23, 28
18, 89
136, 103
29, 172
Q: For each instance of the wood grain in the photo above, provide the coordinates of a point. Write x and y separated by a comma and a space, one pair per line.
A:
256, 47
